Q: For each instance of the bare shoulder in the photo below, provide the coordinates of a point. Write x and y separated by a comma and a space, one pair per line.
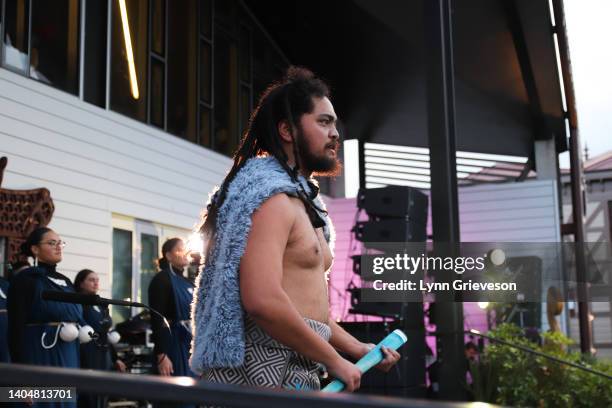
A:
271, 227
278, 209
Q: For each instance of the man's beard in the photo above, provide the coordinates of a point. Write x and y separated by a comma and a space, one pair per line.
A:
322, 165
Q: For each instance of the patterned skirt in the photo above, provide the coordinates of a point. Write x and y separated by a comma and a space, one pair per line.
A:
268, 363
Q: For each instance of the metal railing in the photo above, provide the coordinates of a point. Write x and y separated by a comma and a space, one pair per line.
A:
186, 389
539, 353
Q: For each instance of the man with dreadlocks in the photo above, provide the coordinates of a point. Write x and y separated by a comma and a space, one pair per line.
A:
260, 313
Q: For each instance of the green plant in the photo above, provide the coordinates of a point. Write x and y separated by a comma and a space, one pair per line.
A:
508, 376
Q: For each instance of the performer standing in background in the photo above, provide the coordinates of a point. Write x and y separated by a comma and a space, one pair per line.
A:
43, 332
170, 293
98, 354
4, 350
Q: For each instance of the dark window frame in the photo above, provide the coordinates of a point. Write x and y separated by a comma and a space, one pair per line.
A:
201, 102
242, 25
163, 59
26, 71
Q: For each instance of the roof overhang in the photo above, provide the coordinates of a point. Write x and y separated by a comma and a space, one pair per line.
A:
508, 91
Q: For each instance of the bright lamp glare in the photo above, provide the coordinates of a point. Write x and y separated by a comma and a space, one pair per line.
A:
129, 53
483, 305
195, 243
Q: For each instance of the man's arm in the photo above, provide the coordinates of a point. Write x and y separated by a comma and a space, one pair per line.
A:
262, 295
345, 343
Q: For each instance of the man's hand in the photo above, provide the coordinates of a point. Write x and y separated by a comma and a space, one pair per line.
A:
120, 366
346, 372
164, 365
391, 357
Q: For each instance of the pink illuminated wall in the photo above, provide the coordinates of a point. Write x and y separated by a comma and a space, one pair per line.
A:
343, 212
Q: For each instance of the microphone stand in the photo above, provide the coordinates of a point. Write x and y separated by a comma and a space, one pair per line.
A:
100, 301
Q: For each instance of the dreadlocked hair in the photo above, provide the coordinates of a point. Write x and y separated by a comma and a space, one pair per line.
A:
285, 100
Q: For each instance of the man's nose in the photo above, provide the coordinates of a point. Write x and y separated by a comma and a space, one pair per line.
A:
333, 133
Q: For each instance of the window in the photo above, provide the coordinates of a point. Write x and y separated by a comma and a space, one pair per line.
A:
54, 49
157, 61
94, 83
206, 19
245, 54
148, 266
122, 272
205, 124
41, 40
182, 68
205, 73
245, 77
16, 48
158, 91
224, 13
226, 94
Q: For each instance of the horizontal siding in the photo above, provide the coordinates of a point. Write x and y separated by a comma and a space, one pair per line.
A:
68, 115
95, 170
519, 212
91, 177
602, 330
501, 214
97, 163
91, 146
509, 205
76, 229
63, 192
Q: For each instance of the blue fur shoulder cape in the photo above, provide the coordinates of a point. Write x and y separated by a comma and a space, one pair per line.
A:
216, 312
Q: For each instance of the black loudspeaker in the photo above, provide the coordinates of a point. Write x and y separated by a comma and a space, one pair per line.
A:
390, 230
407, 378
391, 310
394, 201
396, 214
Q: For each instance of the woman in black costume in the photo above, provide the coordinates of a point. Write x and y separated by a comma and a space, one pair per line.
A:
43, 332
170, 293
98, 354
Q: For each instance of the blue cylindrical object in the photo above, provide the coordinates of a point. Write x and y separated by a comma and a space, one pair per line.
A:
394, 340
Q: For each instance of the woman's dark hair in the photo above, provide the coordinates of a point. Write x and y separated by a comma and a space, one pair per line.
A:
286, 100
34, 238
168, 246
80, 278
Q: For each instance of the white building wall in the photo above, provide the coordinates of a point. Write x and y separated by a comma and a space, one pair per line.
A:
510, 212
97, 163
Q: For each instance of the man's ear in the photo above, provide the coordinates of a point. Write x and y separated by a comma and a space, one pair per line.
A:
284, 130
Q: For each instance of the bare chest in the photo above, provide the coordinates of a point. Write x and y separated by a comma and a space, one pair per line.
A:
307, 247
